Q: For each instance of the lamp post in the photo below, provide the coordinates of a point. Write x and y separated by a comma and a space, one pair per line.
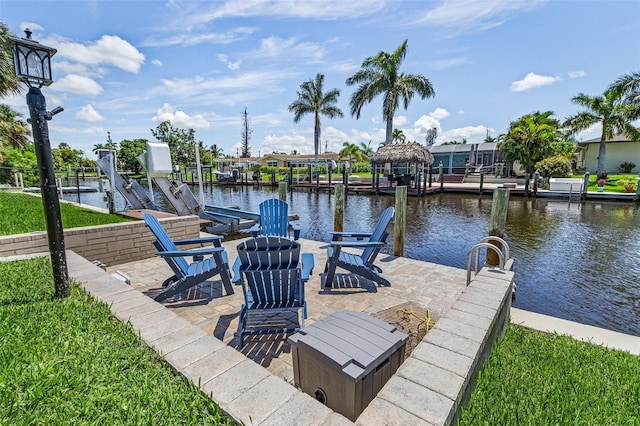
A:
32, 66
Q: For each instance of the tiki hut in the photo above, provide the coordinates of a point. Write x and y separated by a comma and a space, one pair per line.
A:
403, 153
412, 157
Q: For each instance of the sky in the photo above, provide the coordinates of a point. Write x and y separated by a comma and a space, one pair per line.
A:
125, 66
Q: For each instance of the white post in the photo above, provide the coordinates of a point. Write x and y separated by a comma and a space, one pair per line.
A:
15, 177
21, 178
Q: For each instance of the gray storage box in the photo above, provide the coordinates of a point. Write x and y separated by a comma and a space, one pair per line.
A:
344, 359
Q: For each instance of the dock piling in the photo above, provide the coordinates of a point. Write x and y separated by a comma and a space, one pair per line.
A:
497, 224
282, 191
399, 220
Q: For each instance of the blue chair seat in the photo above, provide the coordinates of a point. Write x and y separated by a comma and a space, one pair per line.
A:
188, 274
360, 264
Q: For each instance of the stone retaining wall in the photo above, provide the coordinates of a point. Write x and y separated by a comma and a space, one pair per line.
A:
110, 244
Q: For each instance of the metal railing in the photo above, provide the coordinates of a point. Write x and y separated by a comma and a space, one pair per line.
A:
504, 260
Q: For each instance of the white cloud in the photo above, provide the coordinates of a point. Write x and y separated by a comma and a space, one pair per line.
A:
576, 74
275, 47
472, 15
326, 9
442, 64
286, 143
80, 85
108, 50
473, 134
399, 120
31, 25
231, 65
192, 39
439, 113
88, 113
532, 81
157, 62
180, 118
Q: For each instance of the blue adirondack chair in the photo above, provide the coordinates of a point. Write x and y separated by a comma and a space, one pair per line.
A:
188, 274
274, 220
272, 273
359, 264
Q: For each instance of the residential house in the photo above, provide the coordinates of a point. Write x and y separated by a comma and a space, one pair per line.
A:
620, 149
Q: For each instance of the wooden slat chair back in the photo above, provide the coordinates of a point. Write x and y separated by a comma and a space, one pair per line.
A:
274, 220
272, 279
188, 274
360, 264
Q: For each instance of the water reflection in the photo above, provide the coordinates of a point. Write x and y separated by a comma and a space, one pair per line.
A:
574, 261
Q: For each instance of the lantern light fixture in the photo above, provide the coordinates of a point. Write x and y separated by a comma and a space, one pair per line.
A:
31, 60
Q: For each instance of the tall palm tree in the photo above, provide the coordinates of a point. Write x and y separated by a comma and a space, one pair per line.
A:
628, 84
313, 100
611, 111
398, 136
380, 75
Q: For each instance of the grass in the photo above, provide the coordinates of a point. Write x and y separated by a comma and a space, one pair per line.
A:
68, 361
22, 213
613, 182
534, 378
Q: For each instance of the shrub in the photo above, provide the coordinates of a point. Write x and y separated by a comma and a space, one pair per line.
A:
557, 166
627, 166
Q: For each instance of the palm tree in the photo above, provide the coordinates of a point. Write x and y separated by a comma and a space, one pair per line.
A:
398, 136
313, 100
380, 75
350, 152
610, 110
13, 131
628, 84
366, 149
8, 82
530, 139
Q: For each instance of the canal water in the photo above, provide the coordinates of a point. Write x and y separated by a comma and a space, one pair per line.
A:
577, 261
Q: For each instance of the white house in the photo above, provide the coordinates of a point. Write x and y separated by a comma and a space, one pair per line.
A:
620, 149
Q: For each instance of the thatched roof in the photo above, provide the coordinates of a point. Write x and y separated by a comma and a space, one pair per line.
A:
403, 152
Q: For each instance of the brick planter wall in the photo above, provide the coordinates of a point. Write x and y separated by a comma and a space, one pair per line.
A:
110, 244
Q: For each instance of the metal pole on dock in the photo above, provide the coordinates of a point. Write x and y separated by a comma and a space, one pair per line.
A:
338, 209
481, 183
526, 184
441, 177
399, 220
497, 224
282, 190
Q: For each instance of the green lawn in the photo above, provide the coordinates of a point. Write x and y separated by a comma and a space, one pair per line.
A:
534, 378
68, 361
614, 183
22, 213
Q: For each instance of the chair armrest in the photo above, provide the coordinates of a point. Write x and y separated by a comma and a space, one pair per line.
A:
358, 235
237, 275
194, 252
296, 230
307, 265
357, 244
255, 230
213, 239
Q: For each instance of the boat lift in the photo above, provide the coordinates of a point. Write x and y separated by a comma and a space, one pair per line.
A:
157, 162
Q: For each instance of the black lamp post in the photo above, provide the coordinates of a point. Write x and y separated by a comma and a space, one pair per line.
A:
32, 66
